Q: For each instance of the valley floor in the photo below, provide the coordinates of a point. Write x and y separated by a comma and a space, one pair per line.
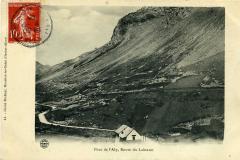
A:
170, 115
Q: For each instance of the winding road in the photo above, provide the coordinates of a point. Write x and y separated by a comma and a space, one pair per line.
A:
42, 118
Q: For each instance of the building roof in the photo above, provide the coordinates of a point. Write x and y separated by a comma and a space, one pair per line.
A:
124, 131
120, 129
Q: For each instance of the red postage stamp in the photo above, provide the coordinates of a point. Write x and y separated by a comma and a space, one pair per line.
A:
24, 22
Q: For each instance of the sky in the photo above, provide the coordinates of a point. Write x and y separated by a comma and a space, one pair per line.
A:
78, 29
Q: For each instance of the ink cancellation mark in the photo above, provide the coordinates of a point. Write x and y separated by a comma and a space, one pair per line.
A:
29, 24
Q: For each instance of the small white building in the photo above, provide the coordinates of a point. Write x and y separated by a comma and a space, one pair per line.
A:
126, 133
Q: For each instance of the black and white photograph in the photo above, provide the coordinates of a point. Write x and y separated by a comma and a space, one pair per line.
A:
131, 74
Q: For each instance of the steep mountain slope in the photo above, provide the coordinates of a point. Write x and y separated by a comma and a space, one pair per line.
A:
40, 70
152, 51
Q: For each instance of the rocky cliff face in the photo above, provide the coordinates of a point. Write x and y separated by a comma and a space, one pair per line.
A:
152, 50
128, 21
164, 44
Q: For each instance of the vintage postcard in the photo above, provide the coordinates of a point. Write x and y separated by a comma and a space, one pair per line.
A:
119, 80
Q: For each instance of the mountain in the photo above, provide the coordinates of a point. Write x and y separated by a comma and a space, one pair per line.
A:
40, 70
162, 67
